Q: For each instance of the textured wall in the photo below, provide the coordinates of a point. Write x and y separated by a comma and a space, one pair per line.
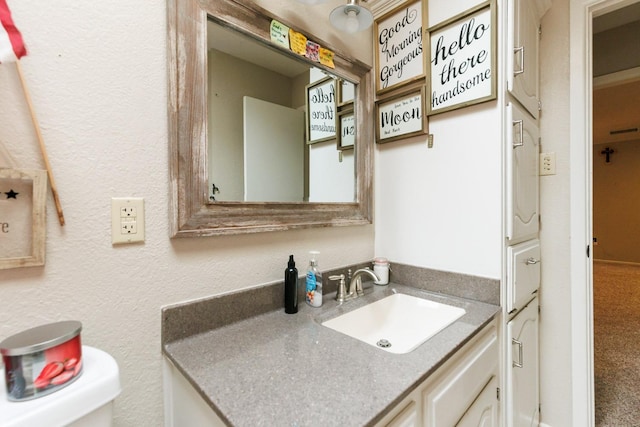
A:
97, 74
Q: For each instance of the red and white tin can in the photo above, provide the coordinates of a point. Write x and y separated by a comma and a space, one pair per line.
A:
41, 360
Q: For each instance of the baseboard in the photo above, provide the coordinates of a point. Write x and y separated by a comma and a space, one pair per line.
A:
608, 261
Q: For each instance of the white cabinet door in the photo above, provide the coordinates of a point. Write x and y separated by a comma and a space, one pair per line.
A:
447, 400
183, 405
523, 273
484, 411
463, 389
522, 397
522, 62
523, 155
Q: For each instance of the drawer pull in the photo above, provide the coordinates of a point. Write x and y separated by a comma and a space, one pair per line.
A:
520, 137
517, 364
532, 261
519, 50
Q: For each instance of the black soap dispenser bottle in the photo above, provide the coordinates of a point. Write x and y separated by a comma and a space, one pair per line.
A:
291, 287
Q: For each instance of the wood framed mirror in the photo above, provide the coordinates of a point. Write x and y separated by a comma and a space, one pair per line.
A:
192, 211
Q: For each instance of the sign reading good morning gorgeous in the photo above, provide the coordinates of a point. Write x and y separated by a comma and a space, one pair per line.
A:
462, 57
399, 52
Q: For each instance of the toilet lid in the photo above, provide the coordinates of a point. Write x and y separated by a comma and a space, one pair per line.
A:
99, 384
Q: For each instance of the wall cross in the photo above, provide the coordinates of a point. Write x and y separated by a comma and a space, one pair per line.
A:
608, 152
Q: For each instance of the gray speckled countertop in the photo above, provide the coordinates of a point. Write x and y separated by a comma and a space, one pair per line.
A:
289, 370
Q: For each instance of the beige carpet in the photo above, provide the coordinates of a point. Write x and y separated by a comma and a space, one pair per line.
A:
616, 301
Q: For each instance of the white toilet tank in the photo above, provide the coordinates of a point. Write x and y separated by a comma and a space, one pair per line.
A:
87, 402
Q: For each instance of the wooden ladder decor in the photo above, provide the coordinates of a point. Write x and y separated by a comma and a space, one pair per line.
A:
43, 149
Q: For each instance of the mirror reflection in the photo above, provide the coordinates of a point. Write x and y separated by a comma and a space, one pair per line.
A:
260, 146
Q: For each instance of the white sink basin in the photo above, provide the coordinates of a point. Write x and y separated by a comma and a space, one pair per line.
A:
398, 323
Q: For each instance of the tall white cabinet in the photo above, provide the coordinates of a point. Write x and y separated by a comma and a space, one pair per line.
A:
521, 403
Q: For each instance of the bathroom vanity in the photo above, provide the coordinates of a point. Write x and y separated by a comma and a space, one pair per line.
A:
265, 367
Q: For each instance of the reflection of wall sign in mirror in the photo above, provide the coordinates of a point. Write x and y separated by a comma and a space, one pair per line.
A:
347, 130
22, 217
321, 110
462, 54
401, 116
346, 91
399, 50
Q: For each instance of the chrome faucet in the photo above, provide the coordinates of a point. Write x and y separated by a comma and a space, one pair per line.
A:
355, 284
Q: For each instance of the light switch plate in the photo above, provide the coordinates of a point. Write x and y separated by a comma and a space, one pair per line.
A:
127, 220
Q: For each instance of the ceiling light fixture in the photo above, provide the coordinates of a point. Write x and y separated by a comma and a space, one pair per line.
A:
351, 17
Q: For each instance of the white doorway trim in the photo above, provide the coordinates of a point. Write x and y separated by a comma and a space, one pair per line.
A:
581, 16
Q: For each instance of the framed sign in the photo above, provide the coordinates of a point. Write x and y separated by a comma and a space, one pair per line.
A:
401, 116
321, 110
23, 193
400, 57
462, 56
346, 130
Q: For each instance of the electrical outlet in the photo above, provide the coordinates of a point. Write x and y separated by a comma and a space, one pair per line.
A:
127, 220
128, 212
129, 226
547, 164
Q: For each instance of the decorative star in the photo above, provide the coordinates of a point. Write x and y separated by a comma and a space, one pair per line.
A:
11, 194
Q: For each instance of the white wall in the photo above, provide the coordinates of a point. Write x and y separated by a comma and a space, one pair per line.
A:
441, 208
555, 296
98, 77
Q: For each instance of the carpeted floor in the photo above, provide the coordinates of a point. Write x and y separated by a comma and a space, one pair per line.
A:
616, 309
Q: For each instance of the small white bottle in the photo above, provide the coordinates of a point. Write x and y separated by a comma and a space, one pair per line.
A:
313, 294
381, 269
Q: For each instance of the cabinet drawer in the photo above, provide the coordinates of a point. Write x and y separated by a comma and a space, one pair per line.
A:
522, 59
446, 402
522, 195
523, 273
